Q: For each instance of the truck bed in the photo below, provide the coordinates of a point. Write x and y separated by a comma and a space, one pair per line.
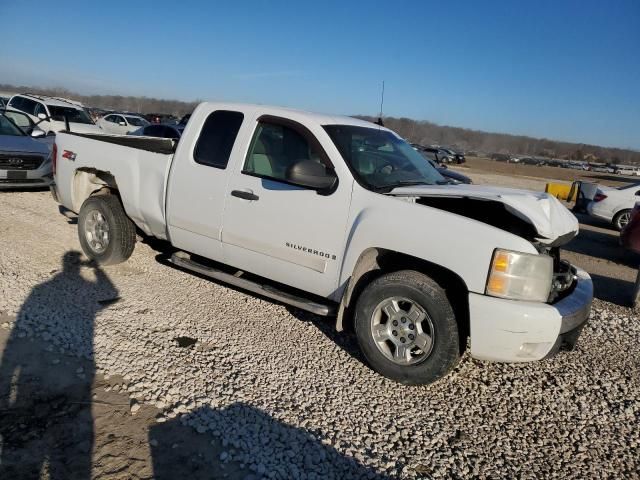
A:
136, 166
149, 144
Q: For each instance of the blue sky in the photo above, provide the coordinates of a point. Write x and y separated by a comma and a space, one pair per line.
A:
567, 70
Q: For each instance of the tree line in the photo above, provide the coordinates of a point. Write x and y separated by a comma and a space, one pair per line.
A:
416, 131
487, 143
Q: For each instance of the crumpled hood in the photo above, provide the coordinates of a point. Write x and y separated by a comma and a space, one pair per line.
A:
553, 222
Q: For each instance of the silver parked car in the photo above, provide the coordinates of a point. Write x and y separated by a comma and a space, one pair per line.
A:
25, 152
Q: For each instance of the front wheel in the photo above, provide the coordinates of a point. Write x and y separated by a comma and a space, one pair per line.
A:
406, 328
105, 232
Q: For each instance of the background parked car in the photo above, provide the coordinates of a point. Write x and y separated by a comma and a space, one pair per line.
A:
436, 153
455, 156
121, 123
500, 157
624, 170
162, 131
452, 176
601, 168
25, 161
161, 118
183, 122
50, 113
614, 205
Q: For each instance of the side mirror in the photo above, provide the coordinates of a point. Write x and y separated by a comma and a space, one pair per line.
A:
42, 116
122, 124
311, 174
38, 133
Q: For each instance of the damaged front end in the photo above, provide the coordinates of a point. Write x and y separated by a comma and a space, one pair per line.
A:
537, 217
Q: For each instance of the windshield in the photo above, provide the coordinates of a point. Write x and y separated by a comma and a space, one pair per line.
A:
137, 122
381, 160
74, 115
7, 127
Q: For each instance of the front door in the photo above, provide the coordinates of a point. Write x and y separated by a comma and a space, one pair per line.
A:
282, 231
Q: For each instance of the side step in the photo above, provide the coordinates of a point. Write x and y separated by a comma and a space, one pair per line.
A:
183, 260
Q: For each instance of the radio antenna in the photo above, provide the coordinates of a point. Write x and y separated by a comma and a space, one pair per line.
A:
379, 122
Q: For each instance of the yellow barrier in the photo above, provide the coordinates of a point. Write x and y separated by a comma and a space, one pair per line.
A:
562, 191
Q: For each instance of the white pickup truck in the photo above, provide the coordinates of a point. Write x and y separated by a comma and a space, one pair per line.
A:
341, 217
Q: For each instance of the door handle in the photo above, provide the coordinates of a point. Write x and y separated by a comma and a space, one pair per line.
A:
245, 195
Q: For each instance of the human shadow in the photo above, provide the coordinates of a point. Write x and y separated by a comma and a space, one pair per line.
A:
46, 424
249, 444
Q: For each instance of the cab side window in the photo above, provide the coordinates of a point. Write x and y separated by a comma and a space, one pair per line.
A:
217, 137
274, 149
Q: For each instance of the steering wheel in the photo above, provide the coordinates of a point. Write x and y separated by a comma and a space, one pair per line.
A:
387, 168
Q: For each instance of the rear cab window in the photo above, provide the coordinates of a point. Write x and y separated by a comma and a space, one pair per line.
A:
217, 137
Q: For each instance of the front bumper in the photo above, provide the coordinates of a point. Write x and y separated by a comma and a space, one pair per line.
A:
516, 331
37, 178
594, 211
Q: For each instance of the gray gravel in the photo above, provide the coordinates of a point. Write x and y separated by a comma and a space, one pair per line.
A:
291, 399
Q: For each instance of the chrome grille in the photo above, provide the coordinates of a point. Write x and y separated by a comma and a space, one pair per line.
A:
20, 161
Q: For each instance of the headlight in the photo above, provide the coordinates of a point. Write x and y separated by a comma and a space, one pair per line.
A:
520, 276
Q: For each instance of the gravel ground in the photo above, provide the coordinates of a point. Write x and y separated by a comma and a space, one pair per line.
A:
286, 397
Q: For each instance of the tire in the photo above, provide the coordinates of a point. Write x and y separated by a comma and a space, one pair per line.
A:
621, 218
378, 337
100, 214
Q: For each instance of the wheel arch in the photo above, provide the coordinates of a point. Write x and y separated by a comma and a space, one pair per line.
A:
376, 261
90, 181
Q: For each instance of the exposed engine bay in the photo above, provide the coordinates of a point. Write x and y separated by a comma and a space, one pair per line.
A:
490, 212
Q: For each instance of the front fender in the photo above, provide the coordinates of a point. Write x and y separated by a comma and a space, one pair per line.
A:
459, 244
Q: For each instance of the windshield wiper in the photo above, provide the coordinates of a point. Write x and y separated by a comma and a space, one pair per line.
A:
403, 183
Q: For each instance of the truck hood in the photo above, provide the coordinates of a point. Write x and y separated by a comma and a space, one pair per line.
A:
552, 221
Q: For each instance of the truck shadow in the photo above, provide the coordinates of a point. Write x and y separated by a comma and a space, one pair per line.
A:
614, 290
610, 265
250, 444
345, 340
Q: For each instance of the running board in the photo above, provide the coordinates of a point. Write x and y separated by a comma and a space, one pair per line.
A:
183, 260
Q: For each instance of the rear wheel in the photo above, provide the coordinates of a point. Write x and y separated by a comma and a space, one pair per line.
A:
622, 218
406, 328
105, 232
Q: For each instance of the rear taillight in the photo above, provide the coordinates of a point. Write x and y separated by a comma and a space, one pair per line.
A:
598, 197
54, 157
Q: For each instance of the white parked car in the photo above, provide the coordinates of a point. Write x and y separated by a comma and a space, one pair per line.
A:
624, 170
343, 217
602, 169
121, 123
615, 204
50, 113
